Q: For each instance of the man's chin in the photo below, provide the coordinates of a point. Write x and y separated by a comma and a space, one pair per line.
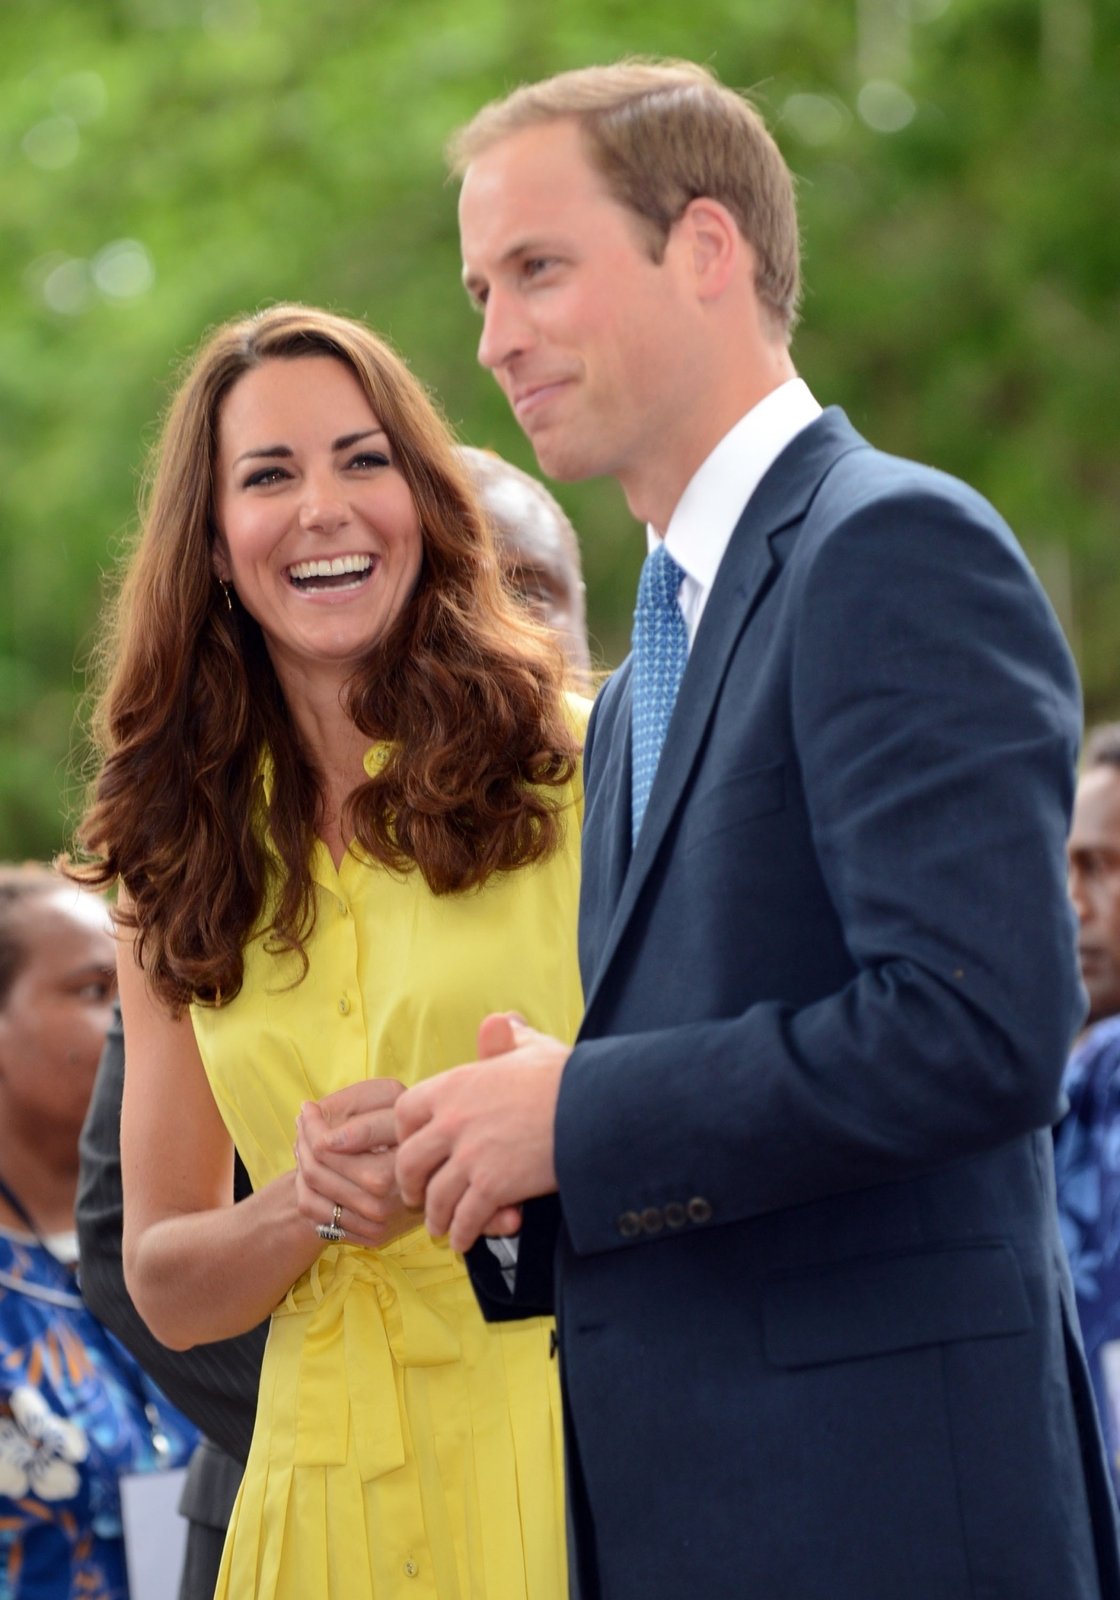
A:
563, 463
1103, 1003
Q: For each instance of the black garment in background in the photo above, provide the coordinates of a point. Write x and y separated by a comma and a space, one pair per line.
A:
213, 1479
215, 1385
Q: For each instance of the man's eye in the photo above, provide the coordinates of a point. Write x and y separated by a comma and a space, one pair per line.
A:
1098, 864
99, 989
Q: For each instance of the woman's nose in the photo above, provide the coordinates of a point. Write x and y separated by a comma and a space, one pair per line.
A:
322, 508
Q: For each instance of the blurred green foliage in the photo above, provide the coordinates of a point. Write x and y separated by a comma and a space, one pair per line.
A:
166, 163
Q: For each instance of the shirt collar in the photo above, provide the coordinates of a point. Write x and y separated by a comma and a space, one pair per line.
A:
700, 528
373, 761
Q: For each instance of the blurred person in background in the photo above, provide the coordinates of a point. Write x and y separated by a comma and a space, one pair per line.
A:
340, 791
216, 1384
1094, 871
539, 552
1087, 1140
76, 1412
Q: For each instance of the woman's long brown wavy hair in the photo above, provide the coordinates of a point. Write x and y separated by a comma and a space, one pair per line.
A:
463, 686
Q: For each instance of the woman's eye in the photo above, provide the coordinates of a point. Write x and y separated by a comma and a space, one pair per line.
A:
265, 476
368, 459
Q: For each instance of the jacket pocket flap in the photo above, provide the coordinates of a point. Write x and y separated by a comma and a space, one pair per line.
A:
876, 1305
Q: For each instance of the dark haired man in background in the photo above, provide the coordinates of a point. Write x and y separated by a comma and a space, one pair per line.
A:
1087, 1140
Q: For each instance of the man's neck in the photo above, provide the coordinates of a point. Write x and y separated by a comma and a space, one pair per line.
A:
654, 489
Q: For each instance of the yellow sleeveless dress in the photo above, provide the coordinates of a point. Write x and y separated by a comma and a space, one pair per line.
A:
403, 1447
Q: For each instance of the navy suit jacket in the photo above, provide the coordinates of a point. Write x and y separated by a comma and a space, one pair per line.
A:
815, 1326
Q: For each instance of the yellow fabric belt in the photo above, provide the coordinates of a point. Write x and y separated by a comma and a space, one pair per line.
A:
362, 1336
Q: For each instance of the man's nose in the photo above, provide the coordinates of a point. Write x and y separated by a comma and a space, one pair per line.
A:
505, 332
1079, 894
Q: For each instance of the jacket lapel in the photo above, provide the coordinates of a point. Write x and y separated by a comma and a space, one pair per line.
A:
750, 565
606, 822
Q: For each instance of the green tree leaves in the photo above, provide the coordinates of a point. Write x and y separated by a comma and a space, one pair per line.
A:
167, 163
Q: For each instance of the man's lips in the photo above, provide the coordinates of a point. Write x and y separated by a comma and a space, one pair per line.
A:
1092, 957
529, 397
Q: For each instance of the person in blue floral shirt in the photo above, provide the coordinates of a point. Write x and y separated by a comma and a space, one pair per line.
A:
1087, 1140
76, 1412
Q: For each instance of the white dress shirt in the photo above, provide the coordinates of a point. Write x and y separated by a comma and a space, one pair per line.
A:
707, 512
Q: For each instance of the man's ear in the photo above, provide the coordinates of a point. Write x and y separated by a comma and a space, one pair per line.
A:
717, 249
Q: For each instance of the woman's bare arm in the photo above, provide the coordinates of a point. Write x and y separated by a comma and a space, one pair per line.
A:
198, 1266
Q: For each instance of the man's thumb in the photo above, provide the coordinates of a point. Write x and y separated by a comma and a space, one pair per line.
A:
496, 1034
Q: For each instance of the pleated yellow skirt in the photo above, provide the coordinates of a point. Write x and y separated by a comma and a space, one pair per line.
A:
403, 1446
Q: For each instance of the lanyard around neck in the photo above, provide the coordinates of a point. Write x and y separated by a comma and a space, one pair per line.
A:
21, 1211
68, 1268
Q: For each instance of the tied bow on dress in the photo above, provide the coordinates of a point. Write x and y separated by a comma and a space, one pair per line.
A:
366, 1313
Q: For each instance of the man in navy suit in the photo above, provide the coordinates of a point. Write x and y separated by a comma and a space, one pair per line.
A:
791, 1193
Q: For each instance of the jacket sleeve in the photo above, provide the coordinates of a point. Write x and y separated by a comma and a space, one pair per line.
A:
214, 1385
933, 715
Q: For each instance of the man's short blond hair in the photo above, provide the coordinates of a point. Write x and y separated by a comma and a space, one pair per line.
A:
664, 133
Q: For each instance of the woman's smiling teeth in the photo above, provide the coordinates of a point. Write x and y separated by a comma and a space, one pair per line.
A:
330, 572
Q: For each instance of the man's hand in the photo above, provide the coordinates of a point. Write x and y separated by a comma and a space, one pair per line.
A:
345, 1155
477, 1141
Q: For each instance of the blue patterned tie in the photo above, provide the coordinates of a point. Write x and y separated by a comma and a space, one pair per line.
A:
660, 648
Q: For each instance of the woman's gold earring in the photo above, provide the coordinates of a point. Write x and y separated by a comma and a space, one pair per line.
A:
225, 591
